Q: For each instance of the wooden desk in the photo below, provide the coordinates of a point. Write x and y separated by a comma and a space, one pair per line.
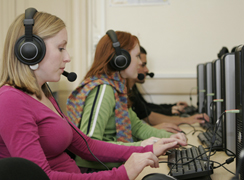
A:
220, 156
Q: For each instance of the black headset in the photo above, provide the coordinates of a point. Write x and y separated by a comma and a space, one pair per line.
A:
29, 49
121, 59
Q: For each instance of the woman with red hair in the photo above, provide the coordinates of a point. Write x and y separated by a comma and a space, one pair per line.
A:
99, 106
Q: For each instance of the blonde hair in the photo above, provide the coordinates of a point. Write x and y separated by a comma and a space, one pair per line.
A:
15, 73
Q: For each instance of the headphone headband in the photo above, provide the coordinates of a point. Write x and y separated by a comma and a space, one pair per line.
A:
115, 41
29, 23
121, 60
29, 13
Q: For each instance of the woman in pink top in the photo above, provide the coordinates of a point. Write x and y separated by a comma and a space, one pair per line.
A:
31, 123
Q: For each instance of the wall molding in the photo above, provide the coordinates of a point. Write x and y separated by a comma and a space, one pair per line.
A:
169, 86
172, 75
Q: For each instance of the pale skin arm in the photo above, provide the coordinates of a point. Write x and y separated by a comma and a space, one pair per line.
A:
156, 118
170, 127
138, 161
177, 109
180, 137
180, 105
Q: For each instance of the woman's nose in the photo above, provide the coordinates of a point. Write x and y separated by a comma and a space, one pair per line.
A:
67, 57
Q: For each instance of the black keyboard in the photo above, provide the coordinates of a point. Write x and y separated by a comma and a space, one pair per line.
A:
206, 138
206, 125
193, 169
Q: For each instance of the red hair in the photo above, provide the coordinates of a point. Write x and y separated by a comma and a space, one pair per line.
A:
105, 51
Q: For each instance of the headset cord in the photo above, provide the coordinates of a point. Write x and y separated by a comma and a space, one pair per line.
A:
88, 146
76, 130
214, 137
225, 149
211, 110
176, 163
228, 161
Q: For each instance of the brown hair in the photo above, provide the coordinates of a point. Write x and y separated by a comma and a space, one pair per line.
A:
105, 51
15, 73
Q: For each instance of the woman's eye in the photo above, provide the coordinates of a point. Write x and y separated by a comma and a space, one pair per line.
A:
61, 49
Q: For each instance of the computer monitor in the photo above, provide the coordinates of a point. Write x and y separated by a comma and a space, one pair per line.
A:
217, 106
239, 63
209, 90
229, 97
200, 87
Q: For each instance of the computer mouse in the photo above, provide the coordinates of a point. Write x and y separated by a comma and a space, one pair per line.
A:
158, 176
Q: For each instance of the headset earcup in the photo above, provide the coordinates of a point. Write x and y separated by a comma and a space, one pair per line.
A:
112, 64
120, 62
126, 54
32, 52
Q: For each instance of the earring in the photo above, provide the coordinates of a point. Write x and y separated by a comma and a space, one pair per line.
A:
34, 67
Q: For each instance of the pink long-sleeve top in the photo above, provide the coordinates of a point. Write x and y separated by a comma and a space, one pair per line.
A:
30, 130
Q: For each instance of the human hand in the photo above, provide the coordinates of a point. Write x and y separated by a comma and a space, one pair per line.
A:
177, 109
181, 137
170, 127
197, 118
181, 103
149, 141
205, 117
164, 144
138, 161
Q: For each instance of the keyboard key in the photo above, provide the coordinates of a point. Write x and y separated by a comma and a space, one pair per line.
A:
206, 138
197, 162
202, 152
202, 138
193, 166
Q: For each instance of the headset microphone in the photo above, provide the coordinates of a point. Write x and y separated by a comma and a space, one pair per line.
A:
150, 74
70, 76
140, 76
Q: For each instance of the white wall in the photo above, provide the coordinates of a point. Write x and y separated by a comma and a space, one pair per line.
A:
182, 34
177, 36
74, 14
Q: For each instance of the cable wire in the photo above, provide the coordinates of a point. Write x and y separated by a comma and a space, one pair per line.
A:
214, 137
76, 130
228, 161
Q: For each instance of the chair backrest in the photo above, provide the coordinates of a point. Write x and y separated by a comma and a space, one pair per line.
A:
20, 169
